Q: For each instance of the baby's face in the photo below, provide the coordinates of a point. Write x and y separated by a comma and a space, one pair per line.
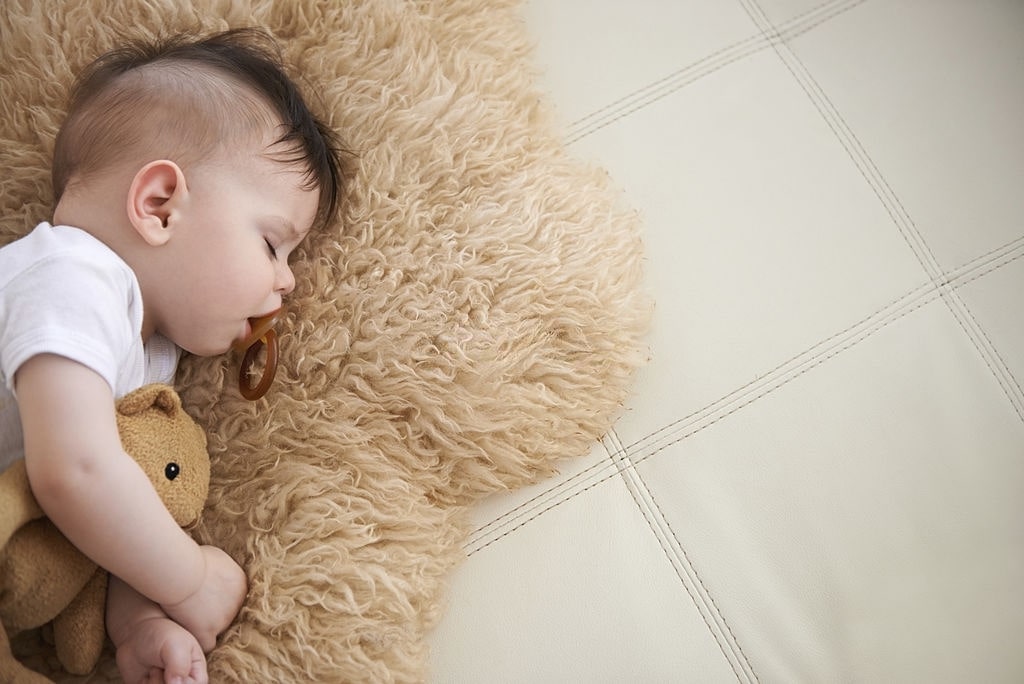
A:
242, 220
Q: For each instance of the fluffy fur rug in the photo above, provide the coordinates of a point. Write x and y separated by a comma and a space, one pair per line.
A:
475, 317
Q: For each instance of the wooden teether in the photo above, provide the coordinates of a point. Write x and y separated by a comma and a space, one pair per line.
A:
263, 335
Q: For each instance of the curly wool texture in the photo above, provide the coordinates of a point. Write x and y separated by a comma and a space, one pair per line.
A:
475, 316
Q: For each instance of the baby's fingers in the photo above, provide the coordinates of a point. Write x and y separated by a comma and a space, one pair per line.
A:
183, 664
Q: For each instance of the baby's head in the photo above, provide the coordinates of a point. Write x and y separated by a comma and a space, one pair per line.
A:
200, 164
190, 100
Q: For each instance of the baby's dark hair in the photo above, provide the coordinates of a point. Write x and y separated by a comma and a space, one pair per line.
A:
186, 99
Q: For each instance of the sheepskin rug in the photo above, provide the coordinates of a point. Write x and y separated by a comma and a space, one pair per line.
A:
474, 317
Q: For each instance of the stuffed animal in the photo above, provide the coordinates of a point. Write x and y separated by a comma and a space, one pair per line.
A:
44, 579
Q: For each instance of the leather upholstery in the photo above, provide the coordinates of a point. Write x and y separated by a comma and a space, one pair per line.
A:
821, 475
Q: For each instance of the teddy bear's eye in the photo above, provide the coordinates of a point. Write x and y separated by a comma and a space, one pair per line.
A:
172, 471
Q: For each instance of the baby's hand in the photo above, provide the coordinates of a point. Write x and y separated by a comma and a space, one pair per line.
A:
160, 651
212, 607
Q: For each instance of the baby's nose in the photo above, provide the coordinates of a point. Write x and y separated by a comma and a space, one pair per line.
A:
285, 280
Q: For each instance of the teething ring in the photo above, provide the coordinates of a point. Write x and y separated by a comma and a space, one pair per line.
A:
248, 361
263, 334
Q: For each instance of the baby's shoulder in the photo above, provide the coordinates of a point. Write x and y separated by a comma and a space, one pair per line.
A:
57, 251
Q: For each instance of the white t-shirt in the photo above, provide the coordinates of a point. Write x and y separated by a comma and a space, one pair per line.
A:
64, 292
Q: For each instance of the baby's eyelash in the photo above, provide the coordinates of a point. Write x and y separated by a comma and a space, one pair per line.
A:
273, 251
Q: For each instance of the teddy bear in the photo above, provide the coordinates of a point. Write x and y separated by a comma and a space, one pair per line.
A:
45, 580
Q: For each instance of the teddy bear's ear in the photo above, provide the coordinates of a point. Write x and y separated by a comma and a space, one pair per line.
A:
162, 397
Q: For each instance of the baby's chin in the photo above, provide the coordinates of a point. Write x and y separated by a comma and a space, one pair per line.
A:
207, 348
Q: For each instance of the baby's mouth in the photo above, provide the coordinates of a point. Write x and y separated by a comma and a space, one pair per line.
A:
259, 326
262, 334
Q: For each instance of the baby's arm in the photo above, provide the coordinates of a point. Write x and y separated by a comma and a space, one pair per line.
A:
105, 504
150, 646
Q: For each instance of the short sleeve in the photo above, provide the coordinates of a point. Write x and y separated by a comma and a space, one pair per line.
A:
73, 302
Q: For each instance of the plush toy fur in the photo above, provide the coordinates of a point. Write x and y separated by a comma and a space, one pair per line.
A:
44, 578
475, 316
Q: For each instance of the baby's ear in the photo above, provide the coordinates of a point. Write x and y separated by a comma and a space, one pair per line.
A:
152, 198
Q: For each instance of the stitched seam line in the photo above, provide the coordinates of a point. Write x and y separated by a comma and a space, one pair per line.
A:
693, 427
1011, 378
967, 273
543, 502
893, 205
657, 90
717, 411
653, 449
677, 556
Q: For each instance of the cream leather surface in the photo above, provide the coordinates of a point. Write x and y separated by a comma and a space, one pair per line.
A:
821, 476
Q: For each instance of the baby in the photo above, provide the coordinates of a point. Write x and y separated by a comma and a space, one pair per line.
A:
185, 174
